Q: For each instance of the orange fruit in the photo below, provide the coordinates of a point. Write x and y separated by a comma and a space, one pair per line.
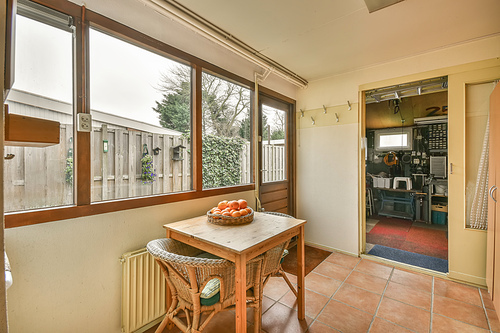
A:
233, 204
217, 211
222, 205
214, 209
226, 213
249, 210
236, 213
243, 212
243, 203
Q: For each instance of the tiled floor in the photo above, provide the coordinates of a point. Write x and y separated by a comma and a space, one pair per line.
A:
348, 294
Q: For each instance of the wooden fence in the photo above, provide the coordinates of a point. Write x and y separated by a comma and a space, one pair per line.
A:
36, 177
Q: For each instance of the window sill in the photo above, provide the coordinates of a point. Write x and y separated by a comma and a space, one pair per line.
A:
20, 219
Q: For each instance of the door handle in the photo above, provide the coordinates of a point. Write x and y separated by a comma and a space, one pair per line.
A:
492, 189
451, 168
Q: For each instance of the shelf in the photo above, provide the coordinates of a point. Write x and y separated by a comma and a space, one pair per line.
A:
30, 132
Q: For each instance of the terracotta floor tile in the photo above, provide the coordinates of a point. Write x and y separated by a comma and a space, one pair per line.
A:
404, 315
442, 324
493, 318
374, 268
224, 321
409, 295
267, 303
458, 291
280, 318
292, 278
319, 327
343, 259
368, 282
412, 279
380, 325
488, 303
276, 288
332, 270
465, 312
358, 298
345, 318
321, 284
314, 302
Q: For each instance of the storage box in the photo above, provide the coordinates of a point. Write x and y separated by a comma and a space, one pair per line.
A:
440, 208
439, 217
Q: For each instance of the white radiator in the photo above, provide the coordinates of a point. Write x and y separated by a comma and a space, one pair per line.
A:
143, 292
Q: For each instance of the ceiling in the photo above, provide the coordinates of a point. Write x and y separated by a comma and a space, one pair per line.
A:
321, 38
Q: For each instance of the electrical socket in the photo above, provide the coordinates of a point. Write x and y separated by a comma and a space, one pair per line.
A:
84, 122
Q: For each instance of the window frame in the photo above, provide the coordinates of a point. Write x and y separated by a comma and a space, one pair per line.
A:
83, 20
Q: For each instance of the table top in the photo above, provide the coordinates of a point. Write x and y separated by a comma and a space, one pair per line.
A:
235, 238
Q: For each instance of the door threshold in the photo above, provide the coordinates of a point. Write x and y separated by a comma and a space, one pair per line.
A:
406, 266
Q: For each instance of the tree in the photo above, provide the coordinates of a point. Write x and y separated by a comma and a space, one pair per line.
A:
174, 109
224, 104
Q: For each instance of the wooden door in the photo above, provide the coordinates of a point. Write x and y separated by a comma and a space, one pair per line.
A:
275, 152
493, 249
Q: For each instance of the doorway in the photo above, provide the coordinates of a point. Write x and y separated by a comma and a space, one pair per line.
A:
406, 132
275, 153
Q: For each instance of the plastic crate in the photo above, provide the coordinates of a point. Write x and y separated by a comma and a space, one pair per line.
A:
439, 217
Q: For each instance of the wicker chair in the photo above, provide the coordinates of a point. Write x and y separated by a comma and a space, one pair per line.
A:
187, 277
278, 271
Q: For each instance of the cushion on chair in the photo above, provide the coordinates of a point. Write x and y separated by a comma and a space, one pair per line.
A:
211, 293
285, 253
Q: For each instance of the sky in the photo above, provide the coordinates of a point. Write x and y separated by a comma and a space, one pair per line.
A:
123, 78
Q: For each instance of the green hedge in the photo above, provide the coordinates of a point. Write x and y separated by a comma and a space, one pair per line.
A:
221, 161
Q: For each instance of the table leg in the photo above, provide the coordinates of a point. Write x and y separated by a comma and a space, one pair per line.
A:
241, 294
301, 267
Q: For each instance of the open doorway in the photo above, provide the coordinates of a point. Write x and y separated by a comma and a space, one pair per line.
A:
406, 173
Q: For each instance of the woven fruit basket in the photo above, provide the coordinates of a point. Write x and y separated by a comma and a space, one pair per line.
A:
229, 220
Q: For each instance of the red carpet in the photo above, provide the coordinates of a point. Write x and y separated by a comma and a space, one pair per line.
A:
400, 234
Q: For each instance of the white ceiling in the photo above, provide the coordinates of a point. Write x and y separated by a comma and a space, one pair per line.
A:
321, 38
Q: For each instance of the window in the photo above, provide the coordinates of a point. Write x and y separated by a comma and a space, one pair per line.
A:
141, 110
393, 139
273, 145
227, 133
43, 88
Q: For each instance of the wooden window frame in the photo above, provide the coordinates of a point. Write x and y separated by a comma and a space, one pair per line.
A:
83, 19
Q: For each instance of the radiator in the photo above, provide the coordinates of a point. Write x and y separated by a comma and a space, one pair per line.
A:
143, 292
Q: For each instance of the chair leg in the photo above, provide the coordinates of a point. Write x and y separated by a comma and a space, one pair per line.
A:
283, 274
163, 324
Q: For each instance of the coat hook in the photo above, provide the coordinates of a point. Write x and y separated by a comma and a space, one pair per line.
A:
9, 157
301, 113
349, 104
337, 116
313, 122
324, 108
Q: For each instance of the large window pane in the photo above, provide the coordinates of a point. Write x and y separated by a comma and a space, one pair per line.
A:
43, 88
141, 108
226, 129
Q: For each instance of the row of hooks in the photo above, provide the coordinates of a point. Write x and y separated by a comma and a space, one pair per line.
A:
324, 111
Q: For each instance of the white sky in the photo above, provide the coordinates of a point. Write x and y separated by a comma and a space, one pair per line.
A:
123, 78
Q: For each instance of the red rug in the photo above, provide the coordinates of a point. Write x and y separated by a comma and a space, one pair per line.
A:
400, 234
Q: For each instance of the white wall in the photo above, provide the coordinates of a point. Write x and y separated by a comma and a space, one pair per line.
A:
327, 153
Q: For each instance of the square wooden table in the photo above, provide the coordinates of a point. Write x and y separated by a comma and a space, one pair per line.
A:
240, 243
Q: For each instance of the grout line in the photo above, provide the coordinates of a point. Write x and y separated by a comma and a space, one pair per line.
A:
333, 295
484, 309
381, 298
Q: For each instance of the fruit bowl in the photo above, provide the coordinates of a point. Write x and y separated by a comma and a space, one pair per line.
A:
229, 220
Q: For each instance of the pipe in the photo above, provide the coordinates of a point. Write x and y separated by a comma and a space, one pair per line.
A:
257, 79
183, 15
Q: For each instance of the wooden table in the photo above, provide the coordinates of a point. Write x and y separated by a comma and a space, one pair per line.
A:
240, 243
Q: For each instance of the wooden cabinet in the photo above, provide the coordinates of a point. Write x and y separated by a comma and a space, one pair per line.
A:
493, 249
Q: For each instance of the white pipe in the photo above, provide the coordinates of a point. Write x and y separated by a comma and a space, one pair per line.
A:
208, 30
258, 78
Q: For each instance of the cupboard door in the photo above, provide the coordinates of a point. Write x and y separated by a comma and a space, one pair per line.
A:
493, 264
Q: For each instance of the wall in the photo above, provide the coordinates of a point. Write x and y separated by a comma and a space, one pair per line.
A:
329, 160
